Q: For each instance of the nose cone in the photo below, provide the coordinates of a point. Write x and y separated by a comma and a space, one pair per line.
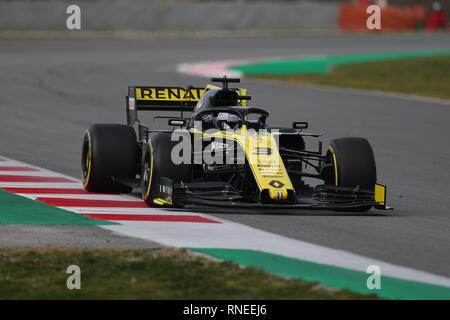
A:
278, 195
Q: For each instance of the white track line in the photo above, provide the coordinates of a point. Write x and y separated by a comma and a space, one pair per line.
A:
30, 173
133, 211
111, 197
69, 185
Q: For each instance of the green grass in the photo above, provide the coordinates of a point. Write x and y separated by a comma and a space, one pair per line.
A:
145, 274
419, 76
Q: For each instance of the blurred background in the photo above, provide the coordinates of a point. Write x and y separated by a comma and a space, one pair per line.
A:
225, 15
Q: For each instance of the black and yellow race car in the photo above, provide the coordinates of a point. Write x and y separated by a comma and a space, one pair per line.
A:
221, 152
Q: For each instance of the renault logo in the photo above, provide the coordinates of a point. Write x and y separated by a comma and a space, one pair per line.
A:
276, 184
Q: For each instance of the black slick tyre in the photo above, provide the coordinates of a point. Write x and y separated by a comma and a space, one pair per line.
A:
109, 154
353, 164
157, 163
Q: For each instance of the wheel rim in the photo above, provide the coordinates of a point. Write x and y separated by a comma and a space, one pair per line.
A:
86, 162
331, 158
329, 173
147, 176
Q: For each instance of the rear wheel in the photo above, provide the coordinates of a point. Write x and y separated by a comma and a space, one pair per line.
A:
157, 163
109, 153
352, 163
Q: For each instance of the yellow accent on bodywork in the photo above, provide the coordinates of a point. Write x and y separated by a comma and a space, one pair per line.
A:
162, 202
211, 86
336, 177
380, 194
243, 92
172, 94
266, 167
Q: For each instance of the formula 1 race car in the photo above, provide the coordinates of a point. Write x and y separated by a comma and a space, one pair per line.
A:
224, 154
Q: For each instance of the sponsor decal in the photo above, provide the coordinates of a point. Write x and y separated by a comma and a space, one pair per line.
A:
276, 184
262, 151
167, 94
165, 189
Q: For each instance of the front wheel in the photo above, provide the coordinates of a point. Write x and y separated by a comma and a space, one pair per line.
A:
351, 163
157, 164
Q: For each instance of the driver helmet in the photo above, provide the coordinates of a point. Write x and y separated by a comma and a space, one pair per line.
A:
225, 117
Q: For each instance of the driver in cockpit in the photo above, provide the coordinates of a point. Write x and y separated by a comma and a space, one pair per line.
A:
224, 119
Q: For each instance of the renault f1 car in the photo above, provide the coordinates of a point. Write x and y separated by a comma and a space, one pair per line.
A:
221, 152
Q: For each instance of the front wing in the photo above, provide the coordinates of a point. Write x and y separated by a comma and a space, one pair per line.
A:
218, 194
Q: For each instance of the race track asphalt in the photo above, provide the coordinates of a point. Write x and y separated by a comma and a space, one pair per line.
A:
52, 90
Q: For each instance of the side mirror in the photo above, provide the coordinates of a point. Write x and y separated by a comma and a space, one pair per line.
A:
300, 125
178, 122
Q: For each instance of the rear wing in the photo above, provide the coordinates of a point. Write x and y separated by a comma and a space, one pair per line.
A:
165, 99
161, 99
